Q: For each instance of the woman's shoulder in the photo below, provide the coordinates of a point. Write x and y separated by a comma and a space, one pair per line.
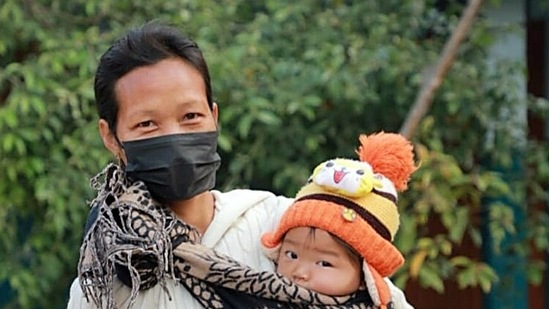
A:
246, 198
243, 215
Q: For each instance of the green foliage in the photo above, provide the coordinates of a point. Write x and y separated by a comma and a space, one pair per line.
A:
296, 82
48, 149
306, 80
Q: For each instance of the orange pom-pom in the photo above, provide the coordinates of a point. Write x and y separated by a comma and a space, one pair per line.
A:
389, 154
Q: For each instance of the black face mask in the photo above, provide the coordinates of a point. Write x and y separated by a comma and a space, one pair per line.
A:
174, 167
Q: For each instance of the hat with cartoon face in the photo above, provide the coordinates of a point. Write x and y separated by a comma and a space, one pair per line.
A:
357, 202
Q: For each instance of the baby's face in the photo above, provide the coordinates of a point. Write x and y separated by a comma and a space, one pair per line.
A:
318, 262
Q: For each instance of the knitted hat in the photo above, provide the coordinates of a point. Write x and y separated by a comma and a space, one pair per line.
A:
356, 201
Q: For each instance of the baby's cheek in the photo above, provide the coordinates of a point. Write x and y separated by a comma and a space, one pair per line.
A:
335, 285
325, 283
282, 269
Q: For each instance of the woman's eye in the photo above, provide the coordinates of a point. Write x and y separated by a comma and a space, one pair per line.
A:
190, 116
145, 124
291, 255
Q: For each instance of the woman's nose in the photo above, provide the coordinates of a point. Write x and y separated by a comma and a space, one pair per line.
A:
172, 127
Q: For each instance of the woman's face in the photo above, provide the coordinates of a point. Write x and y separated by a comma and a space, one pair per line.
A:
318, 262
168, 97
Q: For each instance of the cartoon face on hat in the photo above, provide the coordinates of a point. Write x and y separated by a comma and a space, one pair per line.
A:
346, 177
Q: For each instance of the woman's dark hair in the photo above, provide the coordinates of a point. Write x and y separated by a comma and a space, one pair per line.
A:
141, 47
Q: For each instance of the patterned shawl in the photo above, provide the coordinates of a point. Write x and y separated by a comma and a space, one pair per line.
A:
142, 243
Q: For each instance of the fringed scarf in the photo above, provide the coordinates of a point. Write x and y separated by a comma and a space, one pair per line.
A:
140, 241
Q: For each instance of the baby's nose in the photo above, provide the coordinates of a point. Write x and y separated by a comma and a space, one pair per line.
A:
301, 274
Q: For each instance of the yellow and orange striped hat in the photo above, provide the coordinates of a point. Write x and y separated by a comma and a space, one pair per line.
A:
357, 202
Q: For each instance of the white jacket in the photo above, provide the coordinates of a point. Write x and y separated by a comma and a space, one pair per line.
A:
241, 217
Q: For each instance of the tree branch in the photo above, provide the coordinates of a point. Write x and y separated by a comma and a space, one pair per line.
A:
425, 97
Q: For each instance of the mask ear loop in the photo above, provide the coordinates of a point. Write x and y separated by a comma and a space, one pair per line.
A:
119, 160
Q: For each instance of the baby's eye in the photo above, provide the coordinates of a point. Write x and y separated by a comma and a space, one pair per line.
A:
291, 255
324, 264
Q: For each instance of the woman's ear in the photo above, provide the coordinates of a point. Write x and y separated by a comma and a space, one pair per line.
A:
109, 140
215, 112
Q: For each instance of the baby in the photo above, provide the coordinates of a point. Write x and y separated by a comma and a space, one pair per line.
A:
336, 238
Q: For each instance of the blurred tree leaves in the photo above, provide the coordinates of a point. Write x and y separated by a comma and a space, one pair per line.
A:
296, 83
